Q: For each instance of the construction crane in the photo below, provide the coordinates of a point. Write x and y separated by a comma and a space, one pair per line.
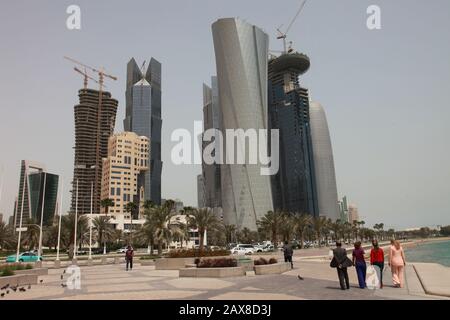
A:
100, 71
86, 77
283, 35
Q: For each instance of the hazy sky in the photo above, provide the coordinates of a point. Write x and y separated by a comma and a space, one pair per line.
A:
386, 92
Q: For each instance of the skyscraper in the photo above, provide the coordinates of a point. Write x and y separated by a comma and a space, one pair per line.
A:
37, 189
127, 159
241, 51
323, 163
294, 186
143, 117
353, 214
201, 201
95, 117
211, 120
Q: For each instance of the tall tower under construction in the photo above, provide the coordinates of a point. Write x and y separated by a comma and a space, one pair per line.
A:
294, 186
95, 117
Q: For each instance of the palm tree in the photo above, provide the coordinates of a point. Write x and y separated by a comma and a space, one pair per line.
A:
106, 203
6, 236
336, 227
319, 224
244, 235
230, 232
68, 230
202, 219
287, 226
50, 236
103, 230
31, 236
271, 223
131, 207
147, 233
301, 223
158, 219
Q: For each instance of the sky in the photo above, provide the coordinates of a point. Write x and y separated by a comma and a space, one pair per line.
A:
386, 92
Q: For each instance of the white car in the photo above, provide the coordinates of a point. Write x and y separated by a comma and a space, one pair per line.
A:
243, 249
122, 250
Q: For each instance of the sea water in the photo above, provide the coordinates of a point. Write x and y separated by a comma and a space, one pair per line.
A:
436, 252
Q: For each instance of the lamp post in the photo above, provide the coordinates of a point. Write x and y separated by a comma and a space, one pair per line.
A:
90, 223
42, 216
76, 223
60, 218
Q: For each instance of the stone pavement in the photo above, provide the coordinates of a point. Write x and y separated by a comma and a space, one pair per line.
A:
112, 282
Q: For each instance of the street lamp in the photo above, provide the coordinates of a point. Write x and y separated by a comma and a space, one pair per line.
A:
42, 215
90, 223
60, 218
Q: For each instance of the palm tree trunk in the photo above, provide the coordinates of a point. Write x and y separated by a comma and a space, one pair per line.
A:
201, 237
159, 247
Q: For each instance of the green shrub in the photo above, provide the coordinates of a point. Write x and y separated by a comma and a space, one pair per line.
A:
191, 253
20, 267
149, 257
216, 263
29, 266
7, 272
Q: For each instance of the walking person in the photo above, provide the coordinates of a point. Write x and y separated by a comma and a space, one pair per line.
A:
129, 257
397, 263
288, 252
360, 263
377, 259
341, 262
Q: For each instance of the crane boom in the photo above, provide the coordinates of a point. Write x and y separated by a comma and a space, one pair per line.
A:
295, 17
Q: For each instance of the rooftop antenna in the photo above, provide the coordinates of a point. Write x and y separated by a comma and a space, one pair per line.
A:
282, 35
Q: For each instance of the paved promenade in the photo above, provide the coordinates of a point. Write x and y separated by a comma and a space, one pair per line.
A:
144, 282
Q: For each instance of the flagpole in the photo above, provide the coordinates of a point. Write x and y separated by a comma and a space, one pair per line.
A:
76, 223
60, 218
90, 223
42, 216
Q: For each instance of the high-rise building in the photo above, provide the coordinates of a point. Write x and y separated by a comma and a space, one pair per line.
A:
95, 117
38, 194
201, 199
127, 159
294, 186
143, 117
353, 214
241, 51
343, 209
323, 163
211, 120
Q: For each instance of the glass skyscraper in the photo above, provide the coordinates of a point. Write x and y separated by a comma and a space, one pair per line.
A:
143, 117
294, 186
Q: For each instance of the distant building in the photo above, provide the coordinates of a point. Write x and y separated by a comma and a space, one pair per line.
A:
11, 221
127, 160
38, 193
324, 164
211, 120
143, 117
95, 116
353, 214
1, 217
343, 209
201, 198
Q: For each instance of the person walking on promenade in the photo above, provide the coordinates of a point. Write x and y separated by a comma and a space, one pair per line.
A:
129, 257
377, 259
341, 262
288, 252
397, 263
360, 263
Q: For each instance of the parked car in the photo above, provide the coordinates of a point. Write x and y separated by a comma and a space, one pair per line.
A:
82, 252
243, 249
99, 250
122, 250
25, 257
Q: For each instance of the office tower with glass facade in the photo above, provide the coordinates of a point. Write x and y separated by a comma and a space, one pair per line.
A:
211, 120
343, 210
143, 117
127, 159
241, 51
38, 194
201, 201
324, 163
294, 186
95, 117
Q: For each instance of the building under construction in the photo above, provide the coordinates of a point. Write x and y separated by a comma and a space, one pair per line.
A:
95, 117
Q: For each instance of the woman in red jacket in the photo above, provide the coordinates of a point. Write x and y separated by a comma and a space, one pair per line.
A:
377, 259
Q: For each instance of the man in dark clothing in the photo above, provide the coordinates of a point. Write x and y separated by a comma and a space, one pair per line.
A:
129, 257
288, 252
340, 255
